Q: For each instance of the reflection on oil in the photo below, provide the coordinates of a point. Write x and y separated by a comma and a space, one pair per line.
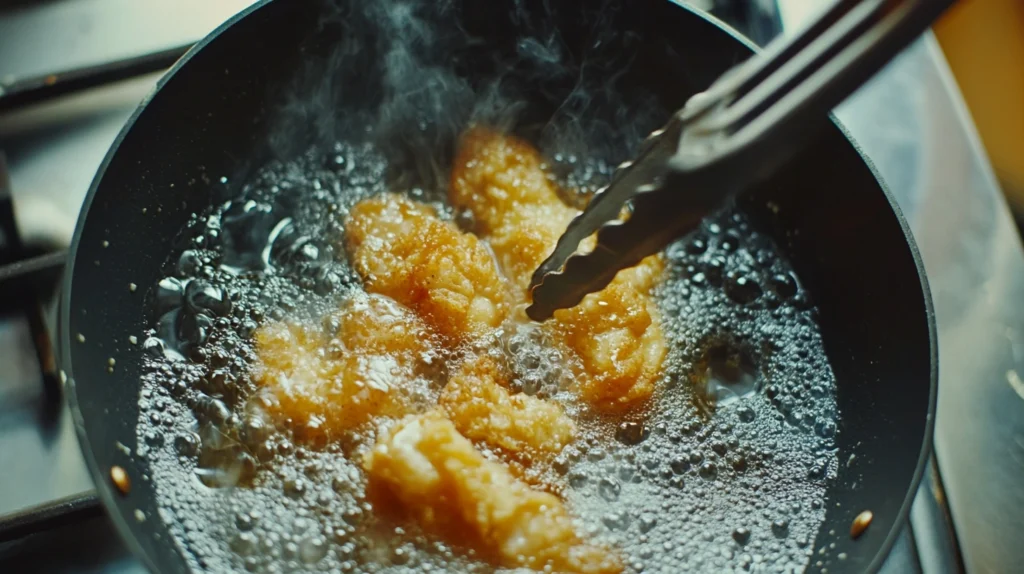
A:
725, 375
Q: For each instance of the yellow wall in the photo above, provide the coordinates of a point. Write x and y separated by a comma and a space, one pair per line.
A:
984, 43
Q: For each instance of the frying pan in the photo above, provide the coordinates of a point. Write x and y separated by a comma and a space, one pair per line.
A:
212, 113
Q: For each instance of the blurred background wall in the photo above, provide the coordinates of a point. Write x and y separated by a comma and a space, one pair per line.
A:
984, 43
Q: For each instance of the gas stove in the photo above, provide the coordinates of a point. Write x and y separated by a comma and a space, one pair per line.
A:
55, 128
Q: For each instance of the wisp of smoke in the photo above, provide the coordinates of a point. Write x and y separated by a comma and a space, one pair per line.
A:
412, 74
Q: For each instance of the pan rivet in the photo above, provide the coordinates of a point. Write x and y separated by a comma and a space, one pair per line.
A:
132, 287
861, 523
120, 478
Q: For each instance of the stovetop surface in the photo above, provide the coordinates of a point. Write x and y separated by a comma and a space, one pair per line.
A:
909, 120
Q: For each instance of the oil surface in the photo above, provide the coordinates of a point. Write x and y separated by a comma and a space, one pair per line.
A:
726, 472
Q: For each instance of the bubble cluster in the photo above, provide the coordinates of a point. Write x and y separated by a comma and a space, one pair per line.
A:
541, 369
726, 471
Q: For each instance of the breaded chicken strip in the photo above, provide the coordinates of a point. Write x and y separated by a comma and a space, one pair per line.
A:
436, 476
615, 332
403, 250
530, 429
326, 383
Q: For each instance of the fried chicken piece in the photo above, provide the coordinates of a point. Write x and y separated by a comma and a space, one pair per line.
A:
436, 476
372, 360
617, 336
615, 332
515, 206
449, 278
530, 429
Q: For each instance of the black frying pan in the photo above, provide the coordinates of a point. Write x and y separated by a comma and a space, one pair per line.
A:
212, 115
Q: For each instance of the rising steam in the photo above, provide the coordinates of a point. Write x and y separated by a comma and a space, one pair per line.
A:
412, 74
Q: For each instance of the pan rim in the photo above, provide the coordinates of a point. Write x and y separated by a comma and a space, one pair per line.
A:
933, 357
106, 492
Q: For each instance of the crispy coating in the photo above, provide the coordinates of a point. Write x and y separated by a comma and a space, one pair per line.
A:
616, 332
436, 476
515, 206
530, 429
403, 250
618, 338
371, 361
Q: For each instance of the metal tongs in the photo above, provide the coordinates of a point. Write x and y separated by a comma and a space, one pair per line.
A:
754, 118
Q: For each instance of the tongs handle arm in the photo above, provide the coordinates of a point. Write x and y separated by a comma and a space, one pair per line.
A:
768, 102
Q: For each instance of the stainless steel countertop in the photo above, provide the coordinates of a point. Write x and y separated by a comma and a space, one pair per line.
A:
910, 120
913, 124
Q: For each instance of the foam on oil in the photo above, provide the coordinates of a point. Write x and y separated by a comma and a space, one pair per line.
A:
726, 472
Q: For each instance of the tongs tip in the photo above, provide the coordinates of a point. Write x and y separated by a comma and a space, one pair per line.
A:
566, 276
538, 313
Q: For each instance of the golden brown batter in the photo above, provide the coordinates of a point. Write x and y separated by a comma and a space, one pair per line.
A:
530, 429
403, 250
325, 384
448, 487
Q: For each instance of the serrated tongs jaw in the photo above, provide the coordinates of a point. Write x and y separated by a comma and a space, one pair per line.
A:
626, 215
749, 122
